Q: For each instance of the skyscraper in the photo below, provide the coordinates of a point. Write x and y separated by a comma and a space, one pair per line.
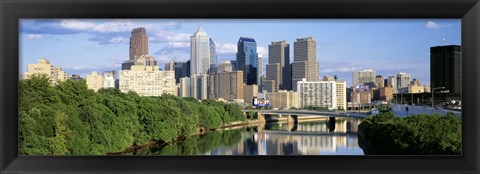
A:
182, 69
305, 63
446, 68
199, 53
379, 81
247, 59
260, 72
138, 43
403, 80
279, 64
213, 57
365, 77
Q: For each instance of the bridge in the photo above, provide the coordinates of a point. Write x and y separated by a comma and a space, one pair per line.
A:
293, 116
301, 113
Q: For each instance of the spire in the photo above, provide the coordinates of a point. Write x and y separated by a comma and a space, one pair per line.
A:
200, 31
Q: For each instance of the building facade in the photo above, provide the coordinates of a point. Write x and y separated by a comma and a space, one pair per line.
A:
213, 57
279, 62
305, 63
55, 74
379, 81
341, 87
94, 81
366, 76
446, 69
169, 66
317, 93
284, 99
182, 69
199, 53
226, 85
247, 59
249, 92
146, 79
109, 78
138, 43
403, 80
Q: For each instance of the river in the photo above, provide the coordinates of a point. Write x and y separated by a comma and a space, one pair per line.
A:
310, 137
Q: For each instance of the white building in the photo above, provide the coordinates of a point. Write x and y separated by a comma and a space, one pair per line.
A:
146, 79
109, 78
403, 80
199, 53
317, 93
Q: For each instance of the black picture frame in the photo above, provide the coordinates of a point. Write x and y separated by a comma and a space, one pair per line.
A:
11, 11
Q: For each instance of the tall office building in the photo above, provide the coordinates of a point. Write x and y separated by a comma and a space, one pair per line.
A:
247, 59
43, 66
182, 69
365, 77
392, 81
138, 43
305, 63
94, 81
379, 81
199, 53
170, 66
317, 93
403, 80
199, 87
213, 57
145, 79
278, 67
260, 72
226, 85
446, 68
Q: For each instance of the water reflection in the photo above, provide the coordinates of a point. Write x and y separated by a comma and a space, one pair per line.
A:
318, 137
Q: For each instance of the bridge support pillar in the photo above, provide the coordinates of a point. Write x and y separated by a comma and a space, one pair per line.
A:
261, 117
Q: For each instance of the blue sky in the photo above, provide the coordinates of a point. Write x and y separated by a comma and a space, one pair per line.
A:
388, 46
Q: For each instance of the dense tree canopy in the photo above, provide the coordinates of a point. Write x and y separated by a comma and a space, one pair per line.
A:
414, 135
70, 119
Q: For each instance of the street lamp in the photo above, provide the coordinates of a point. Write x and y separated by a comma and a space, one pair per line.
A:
433, 92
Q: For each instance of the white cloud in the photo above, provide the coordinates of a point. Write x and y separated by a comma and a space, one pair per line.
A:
227, 48
178, 44
118, 40
76, 24
262, 50
114, 26
34, 36
432, 25
165, 36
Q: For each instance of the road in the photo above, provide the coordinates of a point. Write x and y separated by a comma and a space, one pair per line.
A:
400, 111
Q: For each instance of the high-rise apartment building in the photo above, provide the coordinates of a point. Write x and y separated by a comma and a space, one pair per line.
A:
305, 63
43, 66
317, 93
247, 59
138, 43
94, 81
278, 67
145, 79
403, 80
379, 81
199, 53
446, 68
365, 77
392, 81
341, 93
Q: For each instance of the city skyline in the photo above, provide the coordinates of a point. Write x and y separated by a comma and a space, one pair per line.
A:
82, 46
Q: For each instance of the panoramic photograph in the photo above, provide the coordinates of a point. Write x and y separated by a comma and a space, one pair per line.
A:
240, 87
